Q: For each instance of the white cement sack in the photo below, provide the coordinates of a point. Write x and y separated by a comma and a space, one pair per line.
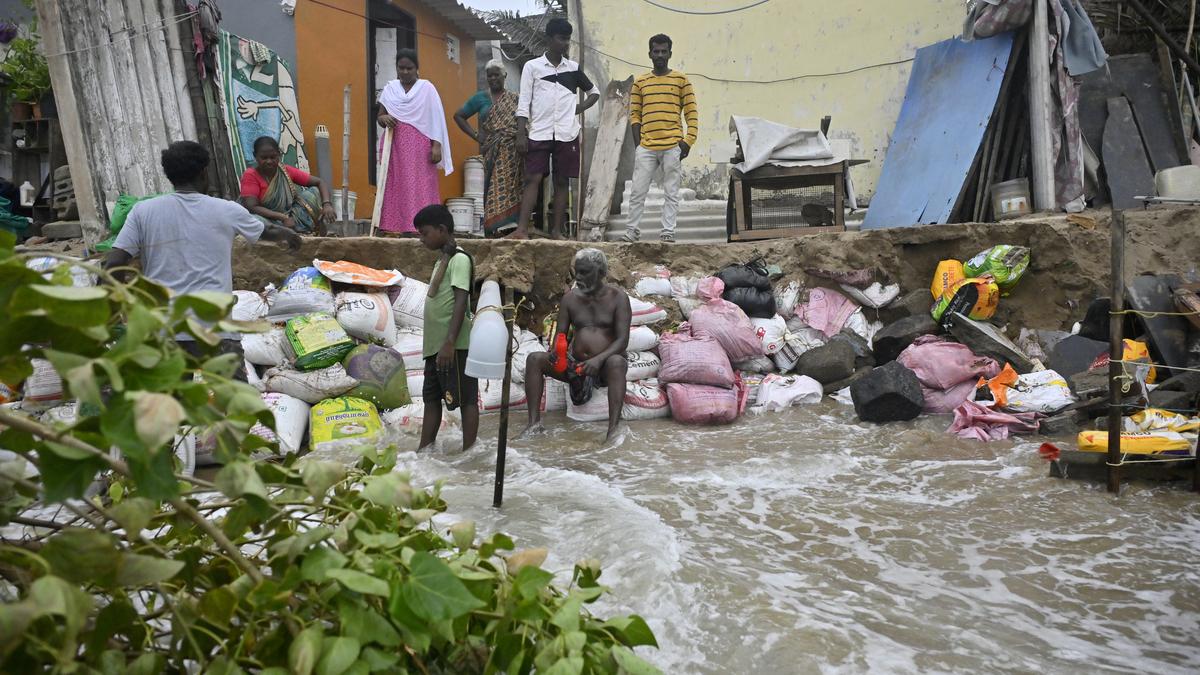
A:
771, 332
866, 329
291, 422
407, 420
408, 303
645, 313
554, 398
758, 364
644, 400
798, 340
595, 410
642, 339
522, 353
410, 343
777, 392
490, 395
252, 377
653, 286
876, 295
642, 366
305, 291
366, 316
43, 388
62, 416
416, 382
688, 305
268, 349
1044, 391
684, 287
786, 299
312, 386
80, 277
249, 306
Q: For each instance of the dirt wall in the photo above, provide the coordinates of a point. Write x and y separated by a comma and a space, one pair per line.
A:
1070, 262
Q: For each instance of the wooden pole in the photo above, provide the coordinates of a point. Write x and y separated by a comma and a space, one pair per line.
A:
502, 439
1116, 349
1161, 31
346, 215
1039, 109
381, 179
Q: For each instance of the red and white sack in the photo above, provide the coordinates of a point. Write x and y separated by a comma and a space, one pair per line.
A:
645, 400
408, 303
311, 386
416, 381
642, 366
366, 316
777, 392
701, 404
43, 388
642, 339
491, 393
291, 421
691, 360
410, 343
595, 410
643, 313
770, 332
554, 398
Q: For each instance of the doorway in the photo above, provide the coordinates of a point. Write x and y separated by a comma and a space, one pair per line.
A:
389, 29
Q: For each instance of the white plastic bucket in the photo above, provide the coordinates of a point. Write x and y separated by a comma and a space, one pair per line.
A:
337, 203
473, 175
463, 211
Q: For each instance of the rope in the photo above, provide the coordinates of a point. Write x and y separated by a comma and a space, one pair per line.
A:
133, 31
1144, 363
711, 13
1152, 315
1123, 462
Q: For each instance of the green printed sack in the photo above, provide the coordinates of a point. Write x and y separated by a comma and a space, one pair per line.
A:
344, 421
381, 377
1005, 263
318, 340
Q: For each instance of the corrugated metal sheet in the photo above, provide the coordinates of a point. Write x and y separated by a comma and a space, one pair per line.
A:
466, 20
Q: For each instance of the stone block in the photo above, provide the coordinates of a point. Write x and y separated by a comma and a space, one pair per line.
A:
63, 229
986, 340
896, 337
864, 357
1185, 381
1074, 354
1182, 402
889, 393
912, 303
1065, 424
834, 387
830, 362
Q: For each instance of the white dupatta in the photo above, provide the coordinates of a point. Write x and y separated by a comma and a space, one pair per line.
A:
420, 107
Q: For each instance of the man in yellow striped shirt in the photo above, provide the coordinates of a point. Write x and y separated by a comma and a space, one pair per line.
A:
656, 103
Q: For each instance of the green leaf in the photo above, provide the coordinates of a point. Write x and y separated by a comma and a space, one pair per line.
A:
218, 605
69, 306
56, 596
633, 629
143, 570
223, 665
118, 425
320, 476
207, 305
154, 476
305, 650
359, 582
14, 619
378, 659
202, 332
337, 655
148, 664
240, 479
463, 533
531, 580
66, 479
82, 555
156, 418
572, 665
133, 515
67, 452
567, 616
433, 592
367, 626
631, 663
381, 540
387, 490
319, 561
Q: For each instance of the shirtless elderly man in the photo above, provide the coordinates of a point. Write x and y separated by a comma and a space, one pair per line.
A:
592, 353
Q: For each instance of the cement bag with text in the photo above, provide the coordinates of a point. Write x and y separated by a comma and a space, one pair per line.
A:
410, 344
407, 419
304, 291
311, 386
693, 360
43, 388
702, 404
291, 421
798, 339
595, 410
1004, 263
644, 313
770, 332
268, 349
521, 356
786, 297
644, 400
726, 323
490, 396
777, 392
318, 341
976, 298
642, 366
381, 377
642, 339
554, 397
345, 272
408, 303
1044, 391
366, 316
344, 423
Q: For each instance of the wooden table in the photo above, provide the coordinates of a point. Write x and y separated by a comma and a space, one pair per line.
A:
772, 177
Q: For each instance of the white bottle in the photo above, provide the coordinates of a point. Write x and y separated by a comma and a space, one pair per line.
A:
28, 193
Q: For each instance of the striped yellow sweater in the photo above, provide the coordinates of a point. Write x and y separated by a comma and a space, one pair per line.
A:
656, 102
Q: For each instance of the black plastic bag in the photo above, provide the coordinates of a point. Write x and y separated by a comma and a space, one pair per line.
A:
757, 303
749, 275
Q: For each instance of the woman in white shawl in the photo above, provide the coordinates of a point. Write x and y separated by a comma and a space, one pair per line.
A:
420, 146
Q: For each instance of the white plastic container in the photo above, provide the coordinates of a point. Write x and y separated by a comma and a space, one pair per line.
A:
473, 176
337, 203
28, 193
1010, 199
463, 211
1181, 182
489, 336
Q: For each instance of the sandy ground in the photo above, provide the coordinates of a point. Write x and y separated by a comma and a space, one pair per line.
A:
1070, 261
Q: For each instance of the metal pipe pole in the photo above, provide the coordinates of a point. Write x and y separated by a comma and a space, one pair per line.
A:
1039, 109
346, 215
1116, 349
502, 439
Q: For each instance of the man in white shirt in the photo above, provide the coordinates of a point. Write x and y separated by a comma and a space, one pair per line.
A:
548, 124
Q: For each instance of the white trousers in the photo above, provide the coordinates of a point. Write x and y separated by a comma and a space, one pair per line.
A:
645, 164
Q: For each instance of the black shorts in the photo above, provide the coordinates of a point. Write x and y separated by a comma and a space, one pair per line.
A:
226, 347
451, 386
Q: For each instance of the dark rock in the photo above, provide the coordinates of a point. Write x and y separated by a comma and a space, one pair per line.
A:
863, 356
1185, 381
64, 229
830, 362
987, 340
913, 303
1095, 322
1075, 354
1065, 424
1089, 383
889, 393
895, 338
834, 387
1183, 402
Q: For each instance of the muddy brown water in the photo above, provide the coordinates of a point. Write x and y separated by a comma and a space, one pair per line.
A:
804, 541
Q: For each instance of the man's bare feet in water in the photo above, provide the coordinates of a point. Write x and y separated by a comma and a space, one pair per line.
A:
532, 430
616, 434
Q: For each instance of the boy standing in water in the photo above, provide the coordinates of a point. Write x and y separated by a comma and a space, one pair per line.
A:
447, 329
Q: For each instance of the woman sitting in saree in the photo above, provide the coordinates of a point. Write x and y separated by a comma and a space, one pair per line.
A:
497, 138
283, 195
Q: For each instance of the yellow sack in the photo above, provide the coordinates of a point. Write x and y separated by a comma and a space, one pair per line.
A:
1135, 351
1157, 419
344, 421
975, 298
1136, 442
946, 278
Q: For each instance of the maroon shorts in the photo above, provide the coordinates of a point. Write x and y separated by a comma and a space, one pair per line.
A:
565, 154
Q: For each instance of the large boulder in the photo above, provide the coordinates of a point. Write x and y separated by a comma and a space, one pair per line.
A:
896, 337
913, 303
1185, 381
1089, 383
835, 387
889, 393
1063, 424
864, 357
1182, 402
986, 340
830, 362
1074, 354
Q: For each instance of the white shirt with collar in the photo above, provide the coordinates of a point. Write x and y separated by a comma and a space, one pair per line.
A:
548, 98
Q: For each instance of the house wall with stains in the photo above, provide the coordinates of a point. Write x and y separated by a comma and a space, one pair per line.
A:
789, 61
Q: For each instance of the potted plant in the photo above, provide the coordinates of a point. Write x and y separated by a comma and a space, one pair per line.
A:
28, 76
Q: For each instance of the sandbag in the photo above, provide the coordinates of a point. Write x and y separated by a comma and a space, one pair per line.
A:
521, 355
644, 400
554, 397
688, 305
642, 366
80, 277
366, 316
644, 313
345, 272
826, 310
726, 323
416, 382
43, 388
701, 404
490, 394
758, 364
1044, 391
941, 364
642, 339
946, 278
875, 296
381, 377
653, 286
407, 419
1005, 263
684, 287
408, 303
752, 381
770, 332
777, 392
291, 421
311, 386
798, 340
304, 291
694, 360
249, 306
344, 423
859, 325
410, 344
786, 298
748, 275
975, 298
595, 410
1138, 442
268, 349
318, 341
709, 289
755, 302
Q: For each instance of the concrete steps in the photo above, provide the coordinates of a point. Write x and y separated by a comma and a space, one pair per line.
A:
699, 220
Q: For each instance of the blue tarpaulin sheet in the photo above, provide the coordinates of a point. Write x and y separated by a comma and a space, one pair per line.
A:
951, 96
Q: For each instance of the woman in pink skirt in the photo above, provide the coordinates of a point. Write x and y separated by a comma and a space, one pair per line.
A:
412, 108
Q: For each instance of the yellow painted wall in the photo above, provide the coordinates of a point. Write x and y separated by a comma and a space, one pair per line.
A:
331, 52
780, 39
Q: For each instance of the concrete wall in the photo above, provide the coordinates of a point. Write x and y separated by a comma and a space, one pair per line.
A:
775, 41
264, 21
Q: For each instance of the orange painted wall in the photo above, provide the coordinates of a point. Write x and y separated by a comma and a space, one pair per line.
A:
332, 51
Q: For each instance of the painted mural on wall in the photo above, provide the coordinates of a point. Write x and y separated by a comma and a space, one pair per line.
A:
258, 96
